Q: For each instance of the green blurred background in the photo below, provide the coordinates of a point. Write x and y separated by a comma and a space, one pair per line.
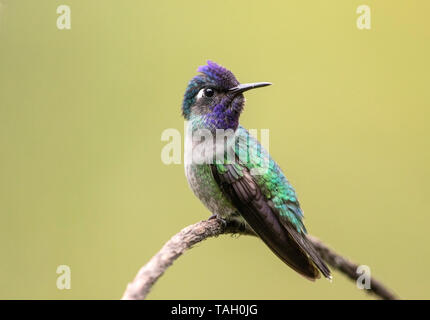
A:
82, 112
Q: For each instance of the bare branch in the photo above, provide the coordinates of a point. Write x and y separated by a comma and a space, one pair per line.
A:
349, 269
189, 236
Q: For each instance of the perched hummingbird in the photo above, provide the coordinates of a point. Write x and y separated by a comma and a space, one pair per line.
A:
263, 201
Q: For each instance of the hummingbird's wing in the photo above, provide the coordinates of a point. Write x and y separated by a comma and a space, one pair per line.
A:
259, 190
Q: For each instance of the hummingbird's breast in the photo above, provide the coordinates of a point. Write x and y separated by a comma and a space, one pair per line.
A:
201, 180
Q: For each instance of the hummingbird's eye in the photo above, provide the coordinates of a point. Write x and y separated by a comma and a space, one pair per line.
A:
207, 92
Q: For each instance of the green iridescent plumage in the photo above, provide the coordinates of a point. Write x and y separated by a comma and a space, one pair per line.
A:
269, 177
272, 181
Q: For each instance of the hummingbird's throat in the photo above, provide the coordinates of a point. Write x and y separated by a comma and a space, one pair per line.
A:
225, 115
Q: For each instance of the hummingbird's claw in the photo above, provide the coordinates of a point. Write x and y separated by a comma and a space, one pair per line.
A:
223, 222
214, 216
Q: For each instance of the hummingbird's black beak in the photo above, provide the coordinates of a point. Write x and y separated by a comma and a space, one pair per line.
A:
248, 86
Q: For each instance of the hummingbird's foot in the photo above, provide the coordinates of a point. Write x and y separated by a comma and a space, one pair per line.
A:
223, 221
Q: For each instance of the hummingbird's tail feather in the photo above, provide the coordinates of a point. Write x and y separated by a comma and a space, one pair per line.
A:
287, 250
307, 247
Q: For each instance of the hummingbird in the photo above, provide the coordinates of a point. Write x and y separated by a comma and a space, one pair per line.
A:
228, 181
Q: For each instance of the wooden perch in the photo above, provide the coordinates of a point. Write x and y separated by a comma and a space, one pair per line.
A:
189, 236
